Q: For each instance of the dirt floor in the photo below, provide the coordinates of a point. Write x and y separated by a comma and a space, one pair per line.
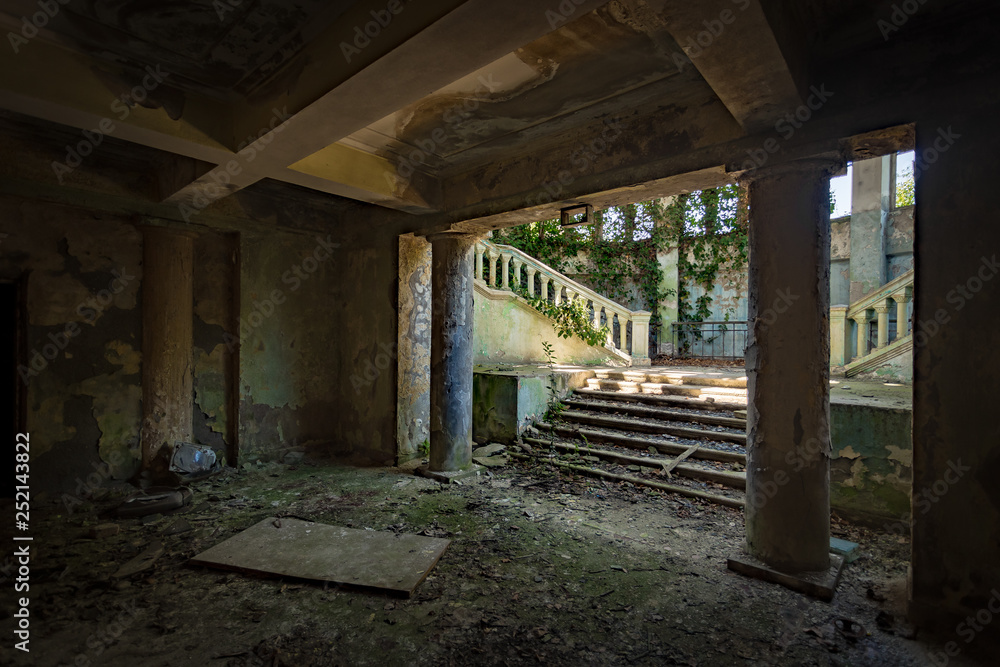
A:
542, 569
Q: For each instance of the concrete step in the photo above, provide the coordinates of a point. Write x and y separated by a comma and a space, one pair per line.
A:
735, 480
667, 389
674, 378
636, 410
634, 441
665, 401
633, 426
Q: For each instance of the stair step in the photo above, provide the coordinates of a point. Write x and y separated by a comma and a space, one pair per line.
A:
674, 378
670, 401
644, 427
666, 389
638, 442
656, 413
734, 480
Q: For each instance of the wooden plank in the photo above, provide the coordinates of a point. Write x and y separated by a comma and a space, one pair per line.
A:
307, 550
684, 491
731, 479
688, 452
641, 443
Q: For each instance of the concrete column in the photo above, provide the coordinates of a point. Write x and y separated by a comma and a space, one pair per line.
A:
883, 323
902, 298
451, 352
788, 366
871, 203
167, 319
862, 322
840, 336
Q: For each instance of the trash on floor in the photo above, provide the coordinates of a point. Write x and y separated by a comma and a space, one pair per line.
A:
296, 548
154, 500
191, 461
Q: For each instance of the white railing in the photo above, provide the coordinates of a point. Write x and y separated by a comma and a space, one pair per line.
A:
876, 306
503, 267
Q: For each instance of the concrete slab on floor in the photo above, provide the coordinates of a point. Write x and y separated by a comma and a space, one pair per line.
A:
822, 584
308, 550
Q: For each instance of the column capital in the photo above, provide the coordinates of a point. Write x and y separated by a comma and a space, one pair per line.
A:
819, 165
904, 295
468, 237
882, 308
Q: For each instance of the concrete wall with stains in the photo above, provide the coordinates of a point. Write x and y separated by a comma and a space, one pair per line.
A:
899, 241
413, 346
82, 373
313, 311
215, 286
871, 465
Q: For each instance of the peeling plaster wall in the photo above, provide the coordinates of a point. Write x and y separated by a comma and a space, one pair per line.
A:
414, 344
215, 285
871, 465
840, 261
83, 339
311, 316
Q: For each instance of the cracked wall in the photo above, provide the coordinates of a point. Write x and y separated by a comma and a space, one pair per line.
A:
83, 338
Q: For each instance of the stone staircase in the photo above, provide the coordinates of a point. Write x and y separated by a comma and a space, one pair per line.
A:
678, 431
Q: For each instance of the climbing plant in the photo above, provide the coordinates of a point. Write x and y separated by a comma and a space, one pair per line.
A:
709, 229
570, 318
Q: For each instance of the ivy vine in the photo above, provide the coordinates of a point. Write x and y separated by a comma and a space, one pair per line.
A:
618, 253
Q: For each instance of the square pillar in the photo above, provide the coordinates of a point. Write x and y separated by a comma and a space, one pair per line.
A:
640, 338
840, 336
788, 366
871, 201
167, 342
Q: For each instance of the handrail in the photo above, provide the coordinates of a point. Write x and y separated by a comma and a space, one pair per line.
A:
885, 292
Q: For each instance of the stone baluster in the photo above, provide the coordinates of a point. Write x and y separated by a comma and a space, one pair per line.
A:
545, 287
531, 271
479, 261
557, 289
493, 268
902, 297
862, 320
517, 271
505, 263
610, 314
883, 323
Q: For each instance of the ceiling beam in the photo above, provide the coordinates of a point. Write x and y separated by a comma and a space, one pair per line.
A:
735, 49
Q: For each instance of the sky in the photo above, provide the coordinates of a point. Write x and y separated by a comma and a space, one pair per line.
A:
841, 186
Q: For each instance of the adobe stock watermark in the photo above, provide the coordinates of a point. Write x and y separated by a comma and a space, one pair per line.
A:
782, 302
452, 117
968, 630
582, 158
787, 127
294, 278
901, 14
89, 309
363, 35
122, 107
108, 634
246, 151
946, 138
697, 44
925, 500
30, 26
958, 297
562, 13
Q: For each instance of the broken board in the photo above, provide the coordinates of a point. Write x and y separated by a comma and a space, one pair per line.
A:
306, 550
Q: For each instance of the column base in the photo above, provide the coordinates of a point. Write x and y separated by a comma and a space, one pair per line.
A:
449, 476
821, 584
